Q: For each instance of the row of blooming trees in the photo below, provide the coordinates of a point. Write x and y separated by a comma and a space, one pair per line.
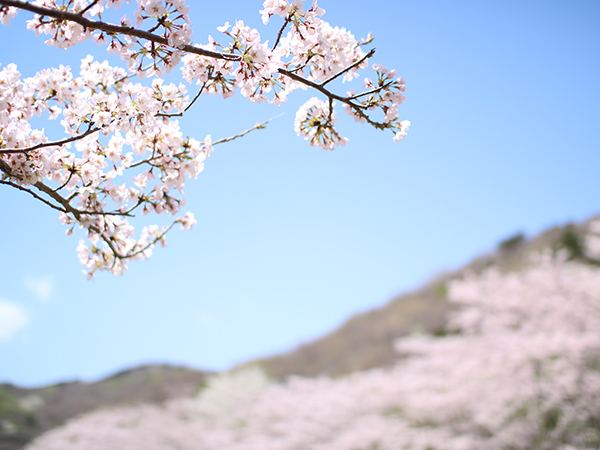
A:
124, 151
519, 370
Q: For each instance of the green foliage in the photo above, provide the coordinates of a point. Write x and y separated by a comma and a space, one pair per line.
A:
512, 242
11, 410
443, 332
520, 413
394, 412
572, 242
441, 290
551, 419
9, 404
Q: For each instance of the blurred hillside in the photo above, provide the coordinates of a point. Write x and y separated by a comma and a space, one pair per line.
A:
364, 341
27, 413
367, 340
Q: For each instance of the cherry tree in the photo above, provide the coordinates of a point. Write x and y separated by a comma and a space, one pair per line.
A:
519, 369
123, 151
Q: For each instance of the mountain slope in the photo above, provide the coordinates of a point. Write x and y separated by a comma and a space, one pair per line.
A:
362, 342
366, 340
27, 413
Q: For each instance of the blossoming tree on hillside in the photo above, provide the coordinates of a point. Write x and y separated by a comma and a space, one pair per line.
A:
519, 369
124, 151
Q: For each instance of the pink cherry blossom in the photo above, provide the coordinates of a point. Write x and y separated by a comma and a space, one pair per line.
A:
122, 131
518, 370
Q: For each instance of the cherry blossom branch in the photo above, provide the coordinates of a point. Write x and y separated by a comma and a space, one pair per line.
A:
90, 130
71, 172
358, 108
347, 100
372, 91
350, 67
258, 126
53, 193
331, 96
119, 255
29, 191
112, 28
4, 167
318, 86
88, 7
188, 106
81, 187
287, 20
67, 205
104, 213
131, 31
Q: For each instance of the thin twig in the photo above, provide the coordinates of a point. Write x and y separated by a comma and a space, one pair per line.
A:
330, 110
50, 144
158, 238
372, 91
71, 172
102, 213
51, 205
287, 20
195, 98
347, 100
351, 66
259, 126
87, 8
220, 141
188, 106
119, 255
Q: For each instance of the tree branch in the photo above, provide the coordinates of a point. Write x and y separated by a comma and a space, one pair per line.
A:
9, 183
220, 141
4, 167
321, 86
311, 84
287, 20
259, 126
67, 205
87, 8
351, 66
59, 198
150, 244
372, 91
112, 28
117, 254
188, 106
50, 144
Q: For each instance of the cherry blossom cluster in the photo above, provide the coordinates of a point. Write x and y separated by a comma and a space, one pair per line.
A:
315, 120
105, 115
385, 93
170, 17
519, 369
124, 151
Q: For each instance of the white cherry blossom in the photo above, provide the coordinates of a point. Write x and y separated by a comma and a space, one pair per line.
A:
122, 131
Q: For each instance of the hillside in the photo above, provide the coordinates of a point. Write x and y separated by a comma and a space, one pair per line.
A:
364, 341
27, 413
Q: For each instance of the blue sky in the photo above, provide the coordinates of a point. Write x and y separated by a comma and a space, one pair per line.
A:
291, 240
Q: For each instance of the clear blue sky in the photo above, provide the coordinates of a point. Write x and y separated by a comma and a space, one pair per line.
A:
504, 100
